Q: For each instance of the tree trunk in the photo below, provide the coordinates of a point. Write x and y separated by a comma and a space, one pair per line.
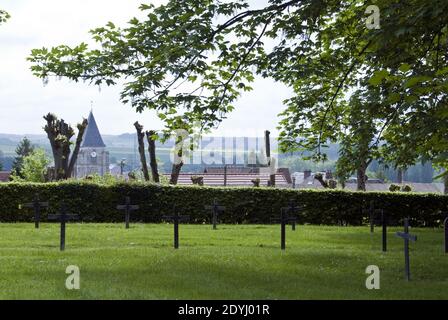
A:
175, 171
60, 134
319, 177
152, 155
81, 129
400, 176
51, 130
445, 183
267, 141
178, 162
361, 176
141, 149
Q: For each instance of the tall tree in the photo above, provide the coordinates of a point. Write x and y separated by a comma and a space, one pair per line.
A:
60, 134
193, 59
407, 81
24, 149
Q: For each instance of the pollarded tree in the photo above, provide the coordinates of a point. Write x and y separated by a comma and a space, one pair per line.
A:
60, 135
141, 150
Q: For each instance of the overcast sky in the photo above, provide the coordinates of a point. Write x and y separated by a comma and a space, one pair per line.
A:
24, 99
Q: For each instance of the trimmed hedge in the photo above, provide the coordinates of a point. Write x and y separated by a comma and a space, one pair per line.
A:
97, 203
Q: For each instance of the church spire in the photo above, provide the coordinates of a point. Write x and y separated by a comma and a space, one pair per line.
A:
92, 137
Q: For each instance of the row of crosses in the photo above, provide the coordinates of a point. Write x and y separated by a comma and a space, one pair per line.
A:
215, 209
288, 215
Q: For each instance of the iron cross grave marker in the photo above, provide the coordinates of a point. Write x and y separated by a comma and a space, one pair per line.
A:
292, 209
63, 217
37, 205
216, 209
371, 212
380, 218
176, 218
407, 237
127, 208
284, 220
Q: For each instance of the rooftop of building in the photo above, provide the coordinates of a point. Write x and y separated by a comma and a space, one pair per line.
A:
92, 137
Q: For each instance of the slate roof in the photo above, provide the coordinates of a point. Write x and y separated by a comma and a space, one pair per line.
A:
92, 137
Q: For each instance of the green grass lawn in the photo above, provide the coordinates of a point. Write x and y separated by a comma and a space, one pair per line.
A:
234, 262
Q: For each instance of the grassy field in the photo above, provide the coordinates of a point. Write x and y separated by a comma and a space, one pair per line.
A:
234, 262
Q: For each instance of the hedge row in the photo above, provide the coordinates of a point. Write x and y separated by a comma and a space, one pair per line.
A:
97, 203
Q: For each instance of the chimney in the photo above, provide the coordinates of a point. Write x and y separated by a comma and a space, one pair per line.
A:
306, 174
328, 175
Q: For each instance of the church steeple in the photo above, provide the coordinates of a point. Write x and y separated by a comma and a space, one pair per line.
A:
92, 137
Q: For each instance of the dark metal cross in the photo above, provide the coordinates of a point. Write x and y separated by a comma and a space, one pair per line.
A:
407, 237
215, 209
37, 205
445, 223
63, 218
371, 212
128, 208
284, 220
384, 224
292, 209
383, 220
176, 218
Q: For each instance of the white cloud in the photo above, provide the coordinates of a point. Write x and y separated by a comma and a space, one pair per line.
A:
24, 99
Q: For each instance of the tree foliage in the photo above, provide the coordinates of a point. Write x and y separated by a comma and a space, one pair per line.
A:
379, 92
24, 149
34, 167
4, 16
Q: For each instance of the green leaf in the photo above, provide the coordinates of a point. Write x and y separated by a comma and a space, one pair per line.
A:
412, 81
378, 77
405, 67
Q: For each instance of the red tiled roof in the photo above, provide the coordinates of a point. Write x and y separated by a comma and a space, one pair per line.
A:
4, 176
233, 180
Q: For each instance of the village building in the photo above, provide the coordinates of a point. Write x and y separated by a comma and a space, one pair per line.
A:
93, 158
5, 176
236, 176
306, 180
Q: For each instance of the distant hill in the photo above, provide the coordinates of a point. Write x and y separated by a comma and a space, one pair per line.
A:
124, 146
